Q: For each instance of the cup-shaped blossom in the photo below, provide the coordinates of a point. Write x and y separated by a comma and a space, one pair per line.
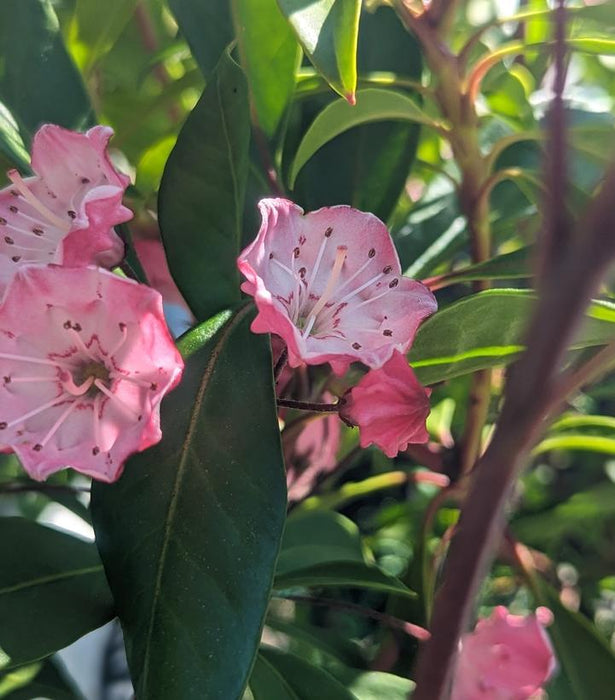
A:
85, 359
329, 283
506, 657
390, 407
66, 212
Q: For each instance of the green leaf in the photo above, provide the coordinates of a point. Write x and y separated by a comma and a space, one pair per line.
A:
267, 683
328, 31
366, 166
318, 537
373, 105
37, 681
190, 533
207, 27
306, 680
573, 420
95, 28
11, 143
373, 685
586, 661
487, 329
348, 574
508, 266
38, 81
585, 443
202, 192
269, 55
50, 582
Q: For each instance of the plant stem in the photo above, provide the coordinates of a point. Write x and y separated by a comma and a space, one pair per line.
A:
309, 406
394, 622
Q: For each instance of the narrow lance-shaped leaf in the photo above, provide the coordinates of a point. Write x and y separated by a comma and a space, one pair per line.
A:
190, 533
270, 56
50, 582
202, 192
328, 30
38, 81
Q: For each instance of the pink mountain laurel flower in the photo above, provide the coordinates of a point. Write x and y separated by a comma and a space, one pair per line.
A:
506, 657
65, 213
85, 359
329, 284
390, 407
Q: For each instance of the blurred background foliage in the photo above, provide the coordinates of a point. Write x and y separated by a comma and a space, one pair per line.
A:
141, 66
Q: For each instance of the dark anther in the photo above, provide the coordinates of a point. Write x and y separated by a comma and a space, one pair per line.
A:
9, 240
270, 256
7, 379
387, 269
16, 258
3, 221
85, 180
140, 418
371, 253
15, 193
122, 326
356, 346
72, 214
296, 252
68, 325
387, 332
38, 447
393, 283
302, 272
153, 386
328, 232
76, 326
37, 231
13, 208
3, 425
95, 450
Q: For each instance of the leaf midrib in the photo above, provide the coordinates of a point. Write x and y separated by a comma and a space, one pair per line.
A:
51, 578
184, 452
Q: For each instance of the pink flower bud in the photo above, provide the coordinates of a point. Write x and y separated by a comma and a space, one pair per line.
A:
64, 214
329, 283
390, 407
85, 359
507, 657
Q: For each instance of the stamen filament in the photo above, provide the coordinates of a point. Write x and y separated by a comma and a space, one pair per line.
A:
132, 380
40, 409
98, 383
340, 258
314, 272
36, 203
82, 346
358, 290
34, 360
55, 427
121, 341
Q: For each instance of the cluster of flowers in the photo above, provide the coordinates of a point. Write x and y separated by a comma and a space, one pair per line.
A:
329, 284
85, 355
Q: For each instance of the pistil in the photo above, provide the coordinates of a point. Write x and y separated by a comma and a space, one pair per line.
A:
340, 257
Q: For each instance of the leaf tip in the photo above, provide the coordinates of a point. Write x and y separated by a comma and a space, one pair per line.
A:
351, 98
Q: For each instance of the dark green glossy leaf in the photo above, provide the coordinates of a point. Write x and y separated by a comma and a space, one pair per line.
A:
202, 191
11, 143
306, 680
318, 537
50, 582
38, 81
373, 105
346, 574
207, 27
192, 515
587, 663
328, 31
487, 329
267, 683
270, 56
366, 166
